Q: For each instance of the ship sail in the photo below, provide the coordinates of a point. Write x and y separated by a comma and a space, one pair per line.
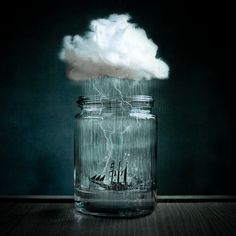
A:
103, 177
98, 178
94, 177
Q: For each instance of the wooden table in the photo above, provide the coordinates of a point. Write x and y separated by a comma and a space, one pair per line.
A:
169, 218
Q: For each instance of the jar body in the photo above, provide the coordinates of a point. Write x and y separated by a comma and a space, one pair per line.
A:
115, 161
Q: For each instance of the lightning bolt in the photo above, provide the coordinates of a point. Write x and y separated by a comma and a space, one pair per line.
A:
123, 101
108, 133
121, 95
109, 146
101, 95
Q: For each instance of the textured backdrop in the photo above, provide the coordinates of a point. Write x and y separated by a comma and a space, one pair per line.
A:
196, 149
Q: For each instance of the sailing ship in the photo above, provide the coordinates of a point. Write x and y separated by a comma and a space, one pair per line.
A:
118, 178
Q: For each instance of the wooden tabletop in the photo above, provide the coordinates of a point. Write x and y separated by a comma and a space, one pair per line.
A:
169, 218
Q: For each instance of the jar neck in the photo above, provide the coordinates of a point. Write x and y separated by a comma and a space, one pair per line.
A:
137, 103
115, 110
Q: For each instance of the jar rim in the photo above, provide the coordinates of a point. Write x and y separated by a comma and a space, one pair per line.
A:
96, 99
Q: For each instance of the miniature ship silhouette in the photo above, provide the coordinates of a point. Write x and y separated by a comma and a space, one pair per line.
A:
118, 179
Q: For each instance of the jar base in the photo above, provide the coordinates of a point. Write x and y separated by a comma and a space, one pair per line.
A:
114, 211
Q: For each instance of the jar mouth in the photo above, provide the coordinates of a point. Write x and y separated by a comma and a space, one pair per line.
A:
125, 100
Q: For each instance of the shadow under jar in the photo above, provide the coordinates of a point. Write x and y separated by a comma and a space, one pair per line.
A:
115, 156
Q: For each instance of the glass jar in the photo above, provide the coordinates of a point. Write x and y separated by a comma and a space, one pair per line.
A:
115, 156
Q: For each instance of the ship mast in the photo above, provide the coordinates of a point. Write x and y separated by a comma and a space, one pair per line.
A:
118, 175
112, 171
125, 174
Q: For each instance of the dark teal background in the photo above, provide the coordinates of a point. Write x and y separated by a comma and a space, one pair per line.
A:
196, 151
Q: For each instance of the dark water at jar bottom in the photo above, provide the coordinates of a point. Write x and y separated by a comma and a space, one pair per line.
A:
115, 203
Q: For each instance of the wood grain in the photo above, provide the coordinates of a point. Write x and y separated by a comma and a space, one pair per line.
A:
198, 218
